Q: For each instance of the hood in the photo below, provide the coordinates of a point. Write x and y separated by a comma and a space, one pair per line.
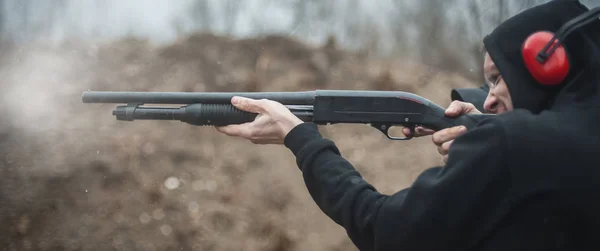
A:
582, 45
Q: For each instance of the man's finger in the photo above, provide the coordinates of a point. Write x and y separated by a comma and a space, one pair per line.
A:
246, 104
407, 132
417, 132
458, 108
446, 146
241, 130
447, 134
422, 131
443, 148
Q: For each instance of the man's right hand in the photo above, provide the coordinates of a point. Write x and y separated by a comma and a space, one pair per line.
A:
444, 138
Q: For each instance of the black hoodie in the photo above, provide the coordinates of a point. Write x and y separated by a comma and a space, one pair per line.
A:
506, 53
504, 46
521, 181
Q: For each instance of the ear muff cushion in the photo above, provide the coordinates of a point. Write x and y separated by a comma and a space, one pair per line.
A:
555, 69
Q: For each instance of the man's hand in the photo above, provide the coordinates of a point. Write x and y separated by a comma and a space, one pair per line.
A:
418, 132
273, 122
444, 138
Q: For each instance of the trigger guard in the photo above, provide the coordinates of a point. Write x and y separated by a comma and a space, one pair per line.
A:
385, 128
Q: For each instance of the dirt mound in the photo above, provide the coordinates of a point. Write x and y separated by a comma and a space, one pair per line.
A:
74, 178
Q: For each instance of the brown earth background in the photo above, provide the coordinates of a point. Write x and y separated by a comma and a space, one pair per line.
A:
72, 177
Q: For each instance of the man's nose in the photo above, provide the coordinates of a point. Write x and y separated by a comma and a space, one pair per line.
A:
491, 104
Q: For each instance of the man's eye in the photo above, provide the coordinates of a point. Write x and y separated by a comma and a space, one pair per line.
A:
497, 80
494, 80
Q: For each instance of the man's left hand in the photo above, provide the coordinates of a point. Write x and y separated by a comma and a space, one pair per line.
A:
273, 122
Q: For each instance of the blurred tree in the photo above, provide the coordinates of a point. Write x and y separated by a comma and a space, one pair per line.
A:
201, 13
230, 12
443, 33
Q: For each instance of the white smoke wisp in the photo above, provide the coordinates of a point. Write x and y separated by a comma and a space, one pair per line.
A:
39, 86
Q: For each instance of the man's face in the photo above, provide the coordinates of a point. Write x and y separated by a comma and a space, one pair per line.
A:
498, 100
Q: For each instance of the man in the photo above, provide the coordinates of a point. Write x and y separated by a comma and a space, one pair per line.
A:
472, 100
526, 180
496, 100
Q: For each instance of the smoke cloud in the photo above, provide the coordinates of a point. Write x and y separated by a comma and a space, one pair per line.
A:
39, 85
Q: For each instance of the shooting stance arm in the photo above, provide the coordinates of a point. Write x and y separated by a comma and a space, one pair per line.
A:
446, 208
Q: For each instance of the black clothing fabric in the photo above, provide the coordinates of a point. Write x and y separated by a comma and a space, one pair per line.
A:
528, 179
517, 182
505, 42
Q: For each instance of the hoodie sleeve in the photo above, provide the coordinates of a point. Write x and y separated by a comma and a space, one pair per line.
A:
446, 207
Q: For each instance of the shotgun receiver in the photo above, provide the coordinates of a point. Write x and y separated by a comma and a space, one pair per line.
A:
379, 109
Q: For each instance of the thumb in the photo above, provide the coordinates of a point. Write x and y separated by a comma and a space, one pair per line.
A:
246, 104
458, 108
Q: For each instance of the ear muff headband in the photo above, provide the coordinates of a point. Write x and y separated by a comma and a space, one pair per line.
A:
545, 57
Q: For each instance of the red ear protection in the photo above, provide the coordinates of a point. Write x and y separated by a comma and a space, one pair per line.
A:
555, 68
544, 55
